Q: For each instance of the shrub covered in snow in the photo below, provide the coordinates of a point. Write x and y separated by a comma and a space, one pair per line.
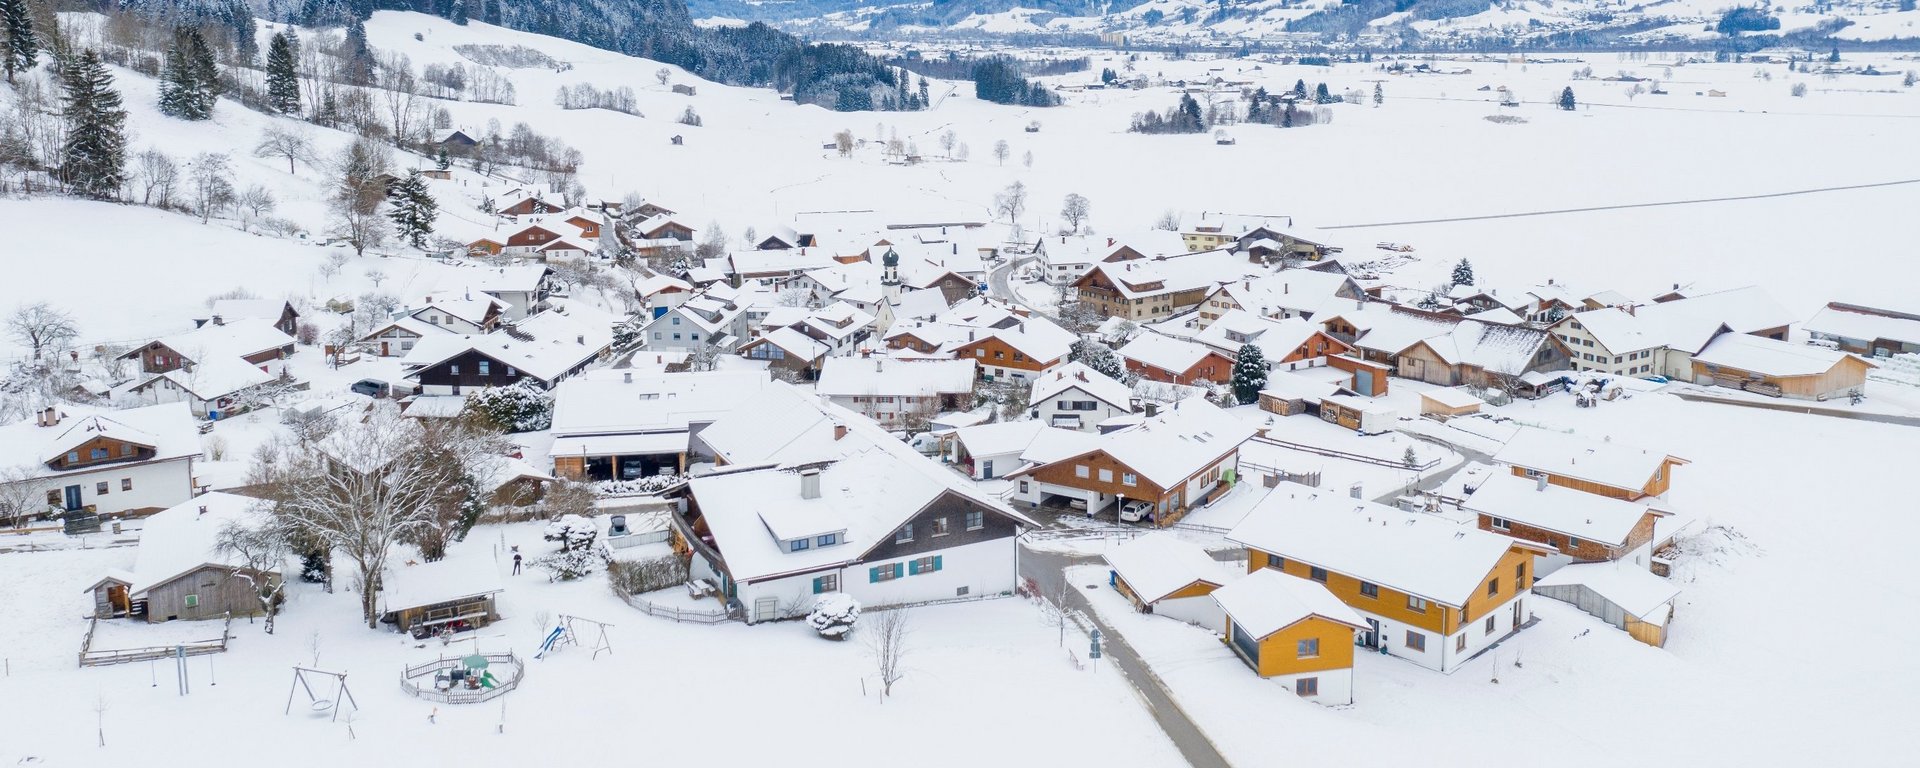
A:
519, 408
834, 614
639, 486
632, 577
570, 564
574, 532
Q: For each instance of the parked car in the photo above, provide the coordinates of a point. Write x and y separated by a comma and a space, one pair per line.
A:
370, 388
1136, 511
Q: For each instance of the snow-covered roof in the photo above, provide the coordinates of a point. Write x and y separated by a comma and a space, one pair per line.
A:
1585, 515
1165, 352
560, 342
606, 402
1276, 339
168, 428
1617, 465
1846, 322
465, 305
1159, 564
1616, 330
461, 576
1496, 315
1422, 555
1004, 437
1297, 290
1689, 324
1756, 354
1504, 349
794, 343
1168, 448
620, 444
1267, 601
779, 261
408, 323
1050, 445
1036, 337
656, 284
231, 339
1076, 376
752, 513
434, 406
1635, 589
182, 538
855, 376
1452, 397
919, 305
212, 378
1287, 385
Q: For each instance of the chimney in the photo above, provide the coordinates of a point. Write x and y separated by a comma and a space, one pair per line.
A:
1109, 242
1153, 409
203, 509
878, 364
1286, 288
627, 377
839, 431
810, 483
1354, 491
218, 320
580, 339
1540, 482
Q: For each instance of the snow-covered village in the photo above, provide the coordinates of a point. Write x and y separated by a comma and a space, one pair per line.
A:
563, 382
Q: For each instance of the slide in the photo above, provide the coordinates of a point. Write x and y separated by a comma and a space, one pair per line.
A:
552, 638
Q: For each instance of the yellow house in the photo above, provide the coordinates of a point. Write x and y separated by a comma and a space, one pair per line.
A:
1429, 590
1294, 631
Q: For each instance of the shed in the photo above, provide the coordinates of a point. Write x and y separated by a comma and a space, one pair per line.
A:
423, 598
1779, 368
1357, 413
1448, 403
1620, 594
1162, 574
180, 572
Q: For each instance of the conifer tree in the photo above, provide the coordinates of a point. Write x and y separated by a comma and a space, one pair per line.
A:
1379, 96
1098, 357
1321, 95
239, 19
1299, 89
283, 79
93, 157
1463, 273
19, 46
1249, 373
359, 56
1566, 99
189, 80
412, 209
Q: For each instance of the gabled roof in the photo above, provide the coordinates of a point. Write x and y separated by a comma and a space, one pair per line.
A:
1298, 290
231, 339
182, 538
1165, 352
1507, 349
792, 342
1612, 464
1182, 440
522, 278
1614, 329
168, 428
1689, 324
229, 310
212, 378
1159, 564
604, 401
559, 342
1554, 508
854, 377
1267, 601
1077, 376
86, 429
1864, 323
919, 305
1276, 338
440, 581
1636, 590
469, 306
1036, 337
1756, 354
1422, 555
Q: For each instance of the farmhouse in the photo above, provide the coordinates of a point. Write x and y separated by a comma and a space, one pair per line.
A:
1610, 469
1608, 341
1580, 527
1021, 351
180, 572
254, 341
1157, 357
1779, 368
217, 387
1294, 631
128, 461
276, 312
621, 425
1686, 326
1171, 460
1291, 293
1285, 344
1430, 591
539, 351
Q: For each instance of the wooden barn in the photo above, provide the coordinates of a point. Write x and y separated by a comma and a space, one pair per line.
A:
1779, 368
1620, 594
1448, 403
180, 572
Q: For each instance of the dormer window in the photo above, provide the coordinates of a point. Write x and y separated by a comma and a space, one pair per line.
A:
827, 540
798, 544
73, 457
97, 454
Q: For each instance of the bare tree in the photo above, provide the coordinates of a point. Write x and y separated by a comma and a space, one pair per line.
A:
843, 141
1001, 151
20, 496
663, 75
156, 174
400, 91
257, 555
1011, 204
42, 327
1075, 210
287, 142
1054, 611
256, 201
1169, 221
886, 634
947, 142
359, 490
715, 243
356, 202
211, 177
1027, 159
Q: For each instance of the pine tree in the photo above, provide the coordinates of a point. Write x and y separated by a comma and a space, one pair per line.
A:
283, 79
1098, 357
189, 80
359, 56
1379, 96
441, 160
18, 44
1286, 116
1566, 99
1249, 373
1463, 273
412, 209
460, 12
93, 157
1299, 89
239, 19
1321, 95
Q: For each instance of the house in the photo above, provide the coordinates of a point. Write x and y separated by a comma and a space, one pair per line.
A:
1158, 357
782, 238
1608, 341
454, 139
1021, 352
254, 341
795, 354
707, 318
1360, 414
220, 386
1290, 393
1289, 293
90, 463
1579, 527
1429, 590
1165, 575
180, 571
1443, 404
622, 425
1294, 631
988, 451
1479, 354
1173, 460
1076, 397
774, 267
524, 287
663, 226
462, 312
486, 246
899, 394
455, 594
1625, 596
1780, 368
539, 351
278, 313
1866, 331
526, 204
1288, 344
816, 499
1687, 325
1610, 469
1143, 290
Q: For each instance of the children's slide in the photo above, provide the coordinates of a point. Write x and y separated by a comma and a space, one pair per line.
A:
552, 639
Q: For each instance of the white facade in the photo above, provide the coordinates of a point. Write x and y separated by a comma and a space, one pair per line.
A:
520, 304
1032, 491
1074, 409
1446, 653
1202, 611
972, 570
1588, 354
1335, 685
892, 411
129, 486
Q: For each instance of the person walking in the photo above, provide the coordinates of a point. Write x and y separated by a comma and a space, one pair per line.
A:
516, 563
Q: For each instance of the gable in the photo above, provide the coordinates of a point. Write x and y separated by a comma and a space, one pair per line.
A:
954, 507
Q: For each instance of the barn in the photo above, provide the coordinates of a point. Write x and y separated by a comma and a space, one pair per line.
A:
1779, 368
1620, 594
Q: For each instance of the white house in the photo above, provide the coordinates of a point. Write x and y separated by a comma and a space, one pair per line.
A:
1074, 396
1609, 341
524, 288
708, 317
1165, 575
897, 393
106, 462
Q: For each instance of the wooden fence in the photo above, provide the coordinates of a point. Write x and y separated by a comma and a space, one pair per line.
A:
92, 658
690, 616
1331, 453
457, 694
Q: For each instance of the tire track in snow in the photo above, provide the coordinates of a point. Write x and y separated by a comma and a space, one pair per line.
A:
1625, 206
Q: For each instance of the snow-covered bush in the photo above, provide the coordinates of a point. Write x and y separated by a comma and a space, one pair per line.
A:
639, 486
518, 408
833, 615
570, 564
574, 532
632, 577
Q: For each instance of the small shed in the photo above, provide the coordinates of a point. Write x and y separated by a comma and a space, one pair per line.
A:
1368, 378
180, 572
1288, 394
1620, 594
1162, 574
458, 591
1357, 413
1448, 403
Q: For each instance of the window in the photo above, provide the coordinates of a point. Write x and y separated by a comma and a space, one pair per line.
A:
928, 564
940, 527
193, 601
904, 535
126, 483
827, 583
1106, 475
960, 592
976, 520
979, 353
798, 544
827, 540
1573, 542
97, 454
1023, 486
1520, 574
887, 572
1415, 604
1501, 524
676, 320
1460, 643
53, 498
73, 458
100, 488
486, 368
126, 449
1080, 470
1370, 589
1416, 641
1276, 562
1493, 586
1129, 478
1317, 573
1489, 626
1308, 648
999, 354
454, 369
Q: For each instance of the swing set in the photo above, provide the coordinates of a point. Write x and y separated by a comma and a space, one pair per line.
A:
318, 704
568, 633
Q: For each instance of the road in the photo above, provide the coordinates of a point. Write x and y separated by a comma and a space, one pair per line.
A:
998, 284
1624, 206
1046, 570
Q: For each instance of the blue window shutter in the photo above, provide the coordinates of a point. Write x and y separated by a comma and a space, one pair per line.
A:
913, 567
936, 562
897, 568
873, 574
816, 586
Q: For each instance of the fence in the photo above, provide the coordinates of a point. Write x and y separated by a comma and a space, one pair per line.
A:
93, 658
458, 695
1331, 453
676, 614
